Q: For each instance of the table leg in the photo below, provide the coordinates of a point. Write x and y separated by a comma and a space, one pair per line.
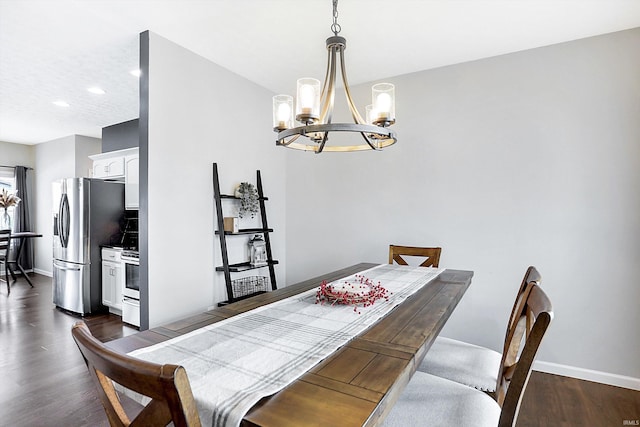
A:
13, 275
17, 262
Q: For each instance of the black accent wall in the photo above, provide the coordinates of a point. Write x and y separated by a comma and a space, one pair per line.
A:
120, 136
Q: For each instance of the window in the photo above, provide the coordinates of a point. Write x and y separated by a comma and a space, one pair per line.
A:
8, 182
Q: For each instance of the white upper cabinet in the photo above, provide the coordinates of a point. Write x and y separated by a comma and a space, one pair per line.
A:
121, 165
111, 164
108, 168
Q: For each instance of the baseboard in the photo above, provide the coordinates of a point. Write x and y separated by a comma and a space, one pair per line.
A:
588, 374
43, 272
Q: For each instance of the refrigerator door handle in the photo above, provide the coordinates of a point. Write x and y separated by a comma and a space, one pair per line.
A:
62, 267
59, 221
58, 230
64, 220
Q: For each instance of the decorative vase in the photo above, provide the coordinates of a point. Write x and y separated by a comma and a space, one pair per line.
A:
5, 220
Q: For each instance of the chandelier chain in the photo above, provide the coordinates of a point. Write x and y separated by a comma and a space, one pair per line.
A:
335, 27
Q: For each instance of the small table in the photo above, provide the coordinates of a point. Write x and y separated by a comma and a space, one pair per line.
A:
19, 237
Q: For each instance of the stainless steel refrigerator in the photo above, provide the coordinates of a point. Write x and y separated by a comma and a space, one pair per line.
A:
86, 215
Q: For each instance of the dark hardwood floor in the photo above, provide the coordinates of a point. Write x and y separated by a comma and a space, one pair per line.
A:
45, 381
553, 400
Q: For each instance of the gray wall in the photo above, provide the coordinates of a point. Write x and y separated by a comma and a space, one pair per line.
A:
16, 154
527, 158
61, 158
85, 147
54, 160
200, 113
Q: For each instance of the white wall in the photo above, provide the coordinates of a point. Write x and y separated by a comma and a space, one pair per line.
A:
61, 158
200, 113
527, 158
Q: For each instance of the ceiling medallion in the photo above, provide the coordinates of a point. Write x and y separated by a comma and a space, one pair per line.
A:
314, 109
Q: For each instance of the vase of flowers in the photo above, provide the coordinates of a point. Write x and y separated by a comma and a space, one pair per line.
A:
248, 196
7, 200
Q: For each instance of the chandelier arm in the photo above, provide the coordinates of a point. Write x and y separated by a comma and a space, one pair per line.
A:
351, 148
286, 143
325, 89
302, 147
366, 138
332, 87
324, 141
328, 99
325, 85
354, 111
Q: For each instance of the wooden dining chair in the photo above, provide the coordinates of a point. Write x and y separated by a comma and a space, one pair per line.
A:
469, 364
5, 245
432, 255
429, 400
166, 385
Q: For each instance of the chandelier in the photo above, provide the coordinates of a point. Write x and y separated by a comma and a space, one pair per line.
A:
314, 109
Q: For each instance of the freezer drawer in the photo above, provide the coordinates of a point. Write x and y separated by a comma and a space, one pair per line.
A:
71, 287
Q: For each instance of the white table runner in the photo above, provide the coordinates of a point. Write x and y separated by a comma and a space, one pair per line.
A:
234, 363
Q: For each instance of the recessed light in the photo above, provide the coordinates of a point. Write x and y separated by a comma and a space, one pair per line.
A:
96, 90
60, 103
136, 73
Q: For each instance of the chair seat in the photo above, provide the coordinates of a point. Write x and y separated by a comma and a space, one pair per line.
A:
463, 363
429, 400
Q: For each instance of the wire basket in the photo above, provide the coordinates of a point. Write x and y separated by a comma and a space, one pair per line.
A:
249, 285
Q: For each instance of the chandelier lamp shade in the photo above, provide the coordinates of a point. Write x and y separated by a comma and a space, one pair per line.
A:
314, 109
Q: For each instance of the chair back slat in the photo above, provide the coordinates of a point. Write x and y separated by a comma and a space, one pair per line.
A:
5, 243
432, 255
531, 275
533, 314
167, 385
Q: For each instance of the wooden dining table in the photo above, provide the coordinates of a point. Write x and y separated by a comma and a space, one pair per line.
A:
360, 382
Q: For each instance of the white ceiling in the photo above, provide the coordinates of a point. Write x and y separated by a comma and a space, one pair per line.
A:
55, 49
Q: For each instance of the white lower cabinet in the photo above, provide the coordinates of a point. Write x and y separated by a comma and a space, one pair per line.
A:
112, 279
